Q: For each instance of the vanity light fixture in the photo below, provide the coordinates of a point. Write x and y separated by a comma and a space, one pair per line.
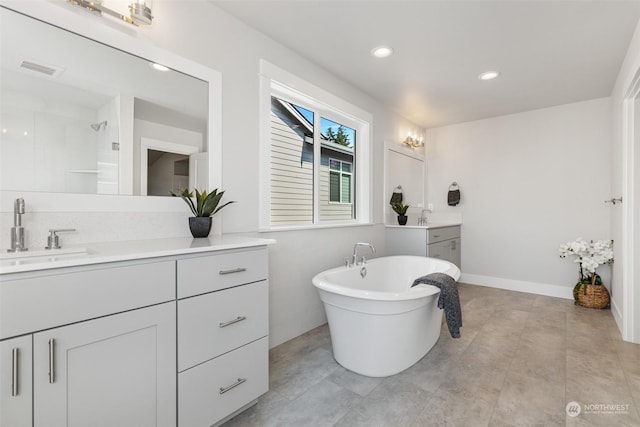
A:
139, 10
158, 67
489, 75
413, 141
381, 51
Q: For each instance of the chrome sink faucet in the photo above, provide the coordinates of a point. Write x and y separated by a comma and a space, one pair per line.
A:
354, 258
423, 217
53, 241
17, 231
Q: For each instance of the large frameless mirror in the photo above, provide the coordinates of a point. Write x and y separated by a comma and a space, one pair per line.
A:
78, 116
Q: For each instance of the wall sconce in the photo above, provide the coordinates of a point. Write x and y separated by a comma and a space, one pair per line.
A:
413, 141
139, 10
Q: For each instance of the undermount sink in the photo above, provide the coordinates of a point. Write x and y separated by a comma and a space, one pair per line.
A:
43, 255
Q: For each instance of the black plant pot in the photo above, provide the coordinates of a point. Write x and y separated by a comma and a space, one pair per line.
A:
200, 226
402, 219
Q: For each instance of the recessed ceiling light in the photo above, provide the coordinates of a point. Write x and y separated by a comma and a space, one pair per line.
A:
381, 51
489, 75
158, 67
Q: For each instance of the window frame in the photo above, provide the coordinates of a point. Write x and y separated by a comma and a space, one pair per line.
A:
340, 173
288, 87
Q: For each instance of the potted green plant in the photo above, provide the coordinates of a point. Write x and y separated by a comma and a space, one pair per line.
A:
589, 291
401, 209
206, 205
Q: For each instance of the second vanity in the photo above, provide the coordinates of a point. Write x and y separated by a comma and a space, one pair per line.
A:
438, 240
149, 333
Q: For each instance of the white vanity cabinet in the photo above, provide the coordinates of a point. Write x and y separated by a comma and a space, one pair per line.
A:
80, 364
444, 243
222, 334
175, 332
112, 371
15, 380
435, 241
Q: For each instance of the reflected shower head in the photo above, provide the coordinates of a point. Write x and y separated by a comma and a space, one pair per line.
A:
96, 126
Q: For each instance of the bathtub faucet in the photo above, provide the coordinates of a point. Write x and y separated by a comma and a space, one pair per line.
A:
354, 258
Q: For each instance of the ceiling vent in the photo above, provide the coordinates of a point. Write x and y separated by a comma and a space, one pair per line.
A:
49, 70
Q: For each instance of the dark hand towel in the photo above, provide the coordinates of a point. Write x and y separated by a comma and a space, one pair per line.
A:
396, 196
453, 197
449, 299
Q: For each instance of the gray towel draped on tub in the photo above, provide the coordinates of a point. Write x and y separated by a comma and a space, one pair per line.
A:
449, 299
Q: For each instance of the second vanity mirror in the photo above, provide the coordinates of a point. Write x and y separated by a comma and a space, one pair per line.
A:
78, 116
404, 167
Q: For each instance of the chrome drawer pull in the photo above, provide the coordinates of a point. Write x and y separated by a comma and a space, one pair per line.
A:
234, 270
14, 374
436, 236
231, 322
52, 361
223, 390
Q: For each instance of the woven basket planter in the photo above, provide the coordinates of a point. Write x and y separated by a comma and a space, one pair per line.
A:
591, 296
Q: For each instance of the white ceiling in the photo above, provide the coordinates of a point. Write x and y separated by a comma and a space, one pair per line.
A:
91, 73
549, 52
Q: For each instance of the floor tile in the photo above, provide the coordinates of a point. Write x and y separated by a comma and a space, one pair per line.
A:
451, 409
291, 377
323, 404
395, 402
520, 360
529, 400
356, 383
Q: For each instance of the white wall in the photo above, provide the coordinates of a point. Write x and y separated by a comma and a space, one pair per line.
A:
205, 34
529, 182
235, 50
622, 185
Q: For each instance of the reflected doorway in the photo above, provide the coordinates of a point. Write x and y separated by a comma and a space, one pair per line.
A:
166, 173
168, 167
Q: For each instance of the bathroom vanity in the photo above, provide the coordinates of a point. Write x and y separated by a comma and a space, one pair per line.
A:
150, 333
438, 240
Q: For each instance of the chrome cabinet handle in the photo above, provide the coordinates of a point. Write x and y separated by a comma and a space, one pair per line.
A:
15, 354
231, 322
223, 390
234, 270
52, 361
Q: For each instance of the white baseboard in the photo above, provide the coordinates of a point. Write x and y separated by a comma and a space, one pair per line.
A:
617, 315
565, 292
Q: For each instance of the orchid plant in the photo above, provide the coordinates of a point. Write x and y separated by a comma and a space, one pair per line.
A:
590, 255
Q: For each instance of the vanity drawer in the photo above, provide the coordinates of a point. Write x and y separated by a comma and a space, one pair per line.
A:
199, 275
206, 393
218, 322
39, 301
440, 234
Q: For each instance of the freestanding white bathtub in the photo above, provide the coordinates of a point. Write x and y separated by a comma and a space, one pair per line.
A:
379, 325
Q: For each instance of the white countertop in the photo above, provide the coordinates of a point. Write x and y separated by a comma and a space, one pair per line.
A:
429, 226
98, 253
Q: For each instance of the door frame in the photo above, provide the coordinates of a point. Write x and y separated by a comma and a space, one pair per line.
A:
147, 144
631, 211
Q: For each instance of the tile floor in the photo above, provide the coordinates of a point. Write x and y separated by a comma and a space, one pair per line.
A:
521, 359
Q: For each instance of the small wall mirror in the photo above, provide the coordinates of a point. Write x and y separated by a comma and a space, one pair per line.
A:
75, 114
406, 168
